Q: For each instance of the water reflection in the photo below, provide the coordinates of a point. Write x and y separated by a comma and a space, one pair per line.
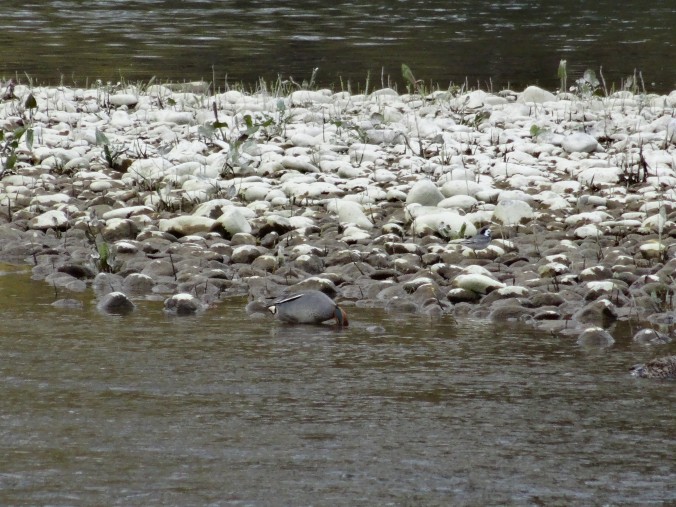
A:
515, 42
149, 409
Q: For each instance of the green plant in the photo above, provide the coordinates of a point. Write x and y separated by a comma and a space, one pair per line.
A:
562, 75
111, 157
412, 84
536, 131
588, 84
103, 256
10, 140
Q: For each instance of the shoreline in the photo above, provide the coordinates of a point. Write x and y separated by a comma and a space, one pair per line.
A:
159, 191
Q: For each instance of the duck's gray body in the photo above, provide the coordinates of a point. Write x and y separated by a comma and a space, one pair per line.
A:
662, 367
308, 307
480, 241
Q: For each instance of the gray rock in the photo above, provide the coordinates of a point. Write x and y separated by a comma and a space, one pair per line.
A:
104, 283
65, 281
76, 270
68, 303
138, 284
510, 311
651, 337
456, 296
398, 305
600, 313
116, 303
160, 267
245, 254
183, 304
119, 228
595, 337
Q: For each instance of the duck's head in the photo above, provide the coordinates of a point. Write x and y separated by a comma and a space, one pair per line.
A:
341, 317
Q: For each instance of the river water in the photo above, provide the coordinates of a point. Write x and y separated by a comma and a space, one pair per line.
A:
220, 409
485, 43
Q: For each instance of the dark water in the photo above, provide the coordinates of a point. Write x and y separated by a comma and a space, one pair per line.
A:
222, 410
513, 43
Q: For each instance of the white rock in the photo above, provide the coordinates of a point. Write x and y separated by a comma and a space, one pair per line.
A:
461, 187
353, 234
49, 200
446, 223
101, 186
383, 176
652, 249
125, 247
178, 117
349, 212
234, 221
149, 169
671, 131
52, 219
535, 94
512, 212
385, 92
593, 217
464, 202
123, 99
424, 192
579, 142
514, 290
588, 231
127, 212
303, 97
565, 187
301, 164
599, 175
553, 269
655, 223
477, 283
186, 224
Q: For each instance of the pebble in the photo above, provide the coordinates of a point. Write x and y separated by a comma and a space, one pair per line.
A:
369, 206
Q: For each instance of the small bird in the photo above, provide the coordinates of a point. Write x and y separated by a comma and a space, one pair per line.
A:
662, 367
309, 307
480, 241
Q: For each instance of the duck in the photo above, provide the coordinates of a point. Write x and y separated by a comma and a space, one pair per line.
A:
308, 307
661, 367
480, 241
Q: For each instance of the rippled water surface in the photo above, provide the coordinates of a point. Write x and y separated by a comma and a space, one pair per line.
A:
223, 410
504, 43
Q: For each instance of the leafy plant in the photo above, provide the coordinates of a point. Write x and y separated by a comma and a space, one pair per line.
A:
562, 75
103, 256
588, 84
412, 84
9, 143
10, 140
536, 131
111, 157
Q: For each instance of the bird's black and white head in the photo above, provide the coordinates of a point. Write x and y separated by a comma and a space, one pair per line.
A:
486, 231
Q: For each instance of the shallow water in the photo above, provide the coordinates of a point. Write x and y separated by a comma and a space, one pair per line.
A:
223, 410
504, 43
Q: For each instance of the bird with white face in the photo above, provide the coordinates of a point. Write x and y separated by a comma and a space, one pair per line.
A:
480, 241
